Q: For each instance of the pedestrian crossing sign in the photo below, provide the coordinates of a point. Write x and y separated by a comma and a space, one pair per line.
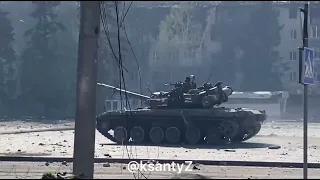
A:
308, 66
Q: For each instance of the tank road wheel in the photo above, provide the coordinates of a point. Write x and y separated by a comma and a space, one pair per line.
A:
229, 129
156, 134
173, 135
120, 134
213, 136
193, 135
137, 134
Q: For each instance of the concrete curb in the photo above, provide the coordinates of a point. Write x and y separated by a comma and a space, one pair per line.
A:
126, 161
37, 130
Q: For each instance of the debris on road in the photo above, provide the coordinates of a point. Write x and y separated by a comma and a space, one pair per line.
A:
107, 155
61, 176
189, 176
274, 147
106, 165
230, 150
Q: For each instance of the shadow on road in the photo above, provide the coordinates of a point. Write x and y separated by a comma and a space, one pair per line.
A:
243, 145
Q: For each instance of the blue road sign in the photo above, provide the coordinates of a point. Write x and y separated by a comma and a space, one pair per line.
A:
308, 66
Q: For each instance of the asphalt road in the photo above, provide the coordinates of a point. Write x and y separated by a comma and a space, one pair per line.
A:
19, 170
54, 140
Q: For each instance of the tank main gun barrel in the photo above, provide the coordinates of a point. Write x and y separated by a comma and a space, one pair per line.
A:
140, 96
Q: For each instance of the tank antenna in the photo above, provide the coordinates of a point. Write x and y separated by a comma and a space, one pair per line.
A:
208, 78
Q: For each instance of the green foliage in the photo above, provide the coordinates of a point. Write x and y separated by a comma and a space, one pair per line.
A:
41, 83
8, 62
262, 36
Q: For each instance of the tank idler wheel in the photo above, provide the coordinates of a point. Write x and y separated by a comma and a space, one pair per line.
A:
120, 134
156, 134
173, 135
252, 130
213, 136
137, 134
257, 128
193, 135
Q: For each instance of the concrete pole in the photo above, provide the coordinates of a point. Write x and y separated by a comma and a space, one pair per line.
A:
305, 95
85, 123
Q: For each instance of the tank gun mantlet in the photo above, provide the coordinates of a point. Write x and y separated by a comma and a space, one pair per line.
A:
158, 93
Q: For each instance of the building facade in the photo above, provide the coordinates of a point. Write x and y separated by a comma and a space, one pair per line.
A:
291, 40
193, 60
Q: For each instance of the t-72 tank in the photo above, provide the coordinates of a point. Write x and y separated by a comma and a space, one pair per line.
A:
177, 117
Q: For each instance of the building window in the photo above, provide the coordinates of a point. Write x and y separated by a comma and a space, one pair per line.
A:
156, 56
224, 15
316, 53
293, 13
213, 36
317, 76
293, 76
293, 34
115, 105
108, 106
173, 56
193, 54
315, 31
293, 56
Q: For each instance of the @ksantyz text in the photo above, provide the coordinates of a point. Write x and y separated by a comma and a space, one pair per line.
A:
135, 166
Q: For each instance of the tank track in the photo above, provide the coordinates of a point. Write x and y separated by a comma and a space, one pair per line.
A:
193, 127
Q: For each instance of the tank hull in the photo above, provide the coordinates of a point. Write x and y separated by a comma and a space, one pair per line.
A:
181, 126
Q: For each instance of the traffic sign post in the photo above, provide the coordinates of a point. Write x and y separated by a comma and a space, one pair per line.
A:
306, 77
308, 67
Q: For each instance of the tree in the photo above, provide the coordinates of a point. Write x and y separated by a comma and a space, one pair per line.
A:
66, 49
108, 68
179, 39
8, 65
261, 61
41, 84
181, 27
223, 64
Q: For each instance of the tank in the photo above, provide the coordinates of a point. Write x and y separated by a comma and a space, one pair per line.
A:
177, 117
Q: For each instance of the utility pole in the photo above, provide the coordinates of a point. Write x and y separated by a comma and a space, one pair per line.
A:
304, 81
85, 123
305, 98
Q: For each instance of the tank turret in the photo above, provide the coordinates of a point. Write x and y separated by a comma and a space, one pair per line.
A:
204, 96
